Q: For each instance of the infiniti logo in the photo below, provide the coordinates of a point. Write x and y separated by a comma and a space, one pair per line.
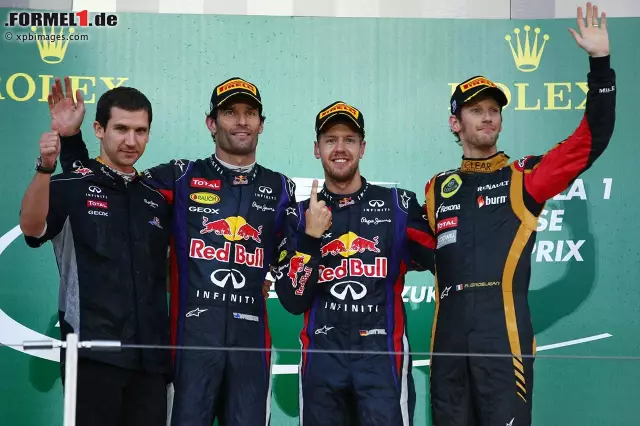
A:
220, 277
265, 190
376, 203
357, 290
95, 189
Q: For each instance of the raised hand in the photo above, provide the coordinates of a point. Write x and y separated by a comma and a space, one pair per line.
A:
65, 112
50, 147
318, 216
593, 36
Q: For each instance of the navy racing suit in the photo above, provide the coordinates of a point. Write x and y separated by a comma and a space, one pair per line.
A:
348, 284
225, 232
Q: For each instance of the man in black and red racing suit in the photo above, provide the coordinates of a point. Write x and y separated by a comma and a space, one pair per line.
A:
225, 232
484, 215
348, 282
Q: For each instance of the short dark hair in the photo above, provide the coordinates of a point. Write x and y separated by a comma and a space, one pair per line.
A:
126, 98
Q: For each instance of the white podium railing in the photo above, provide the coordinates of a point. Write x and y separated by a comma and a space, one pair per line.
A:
72, 344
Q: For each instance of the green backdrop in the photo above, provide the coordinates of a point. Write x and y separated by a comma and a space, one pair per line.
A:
400, 73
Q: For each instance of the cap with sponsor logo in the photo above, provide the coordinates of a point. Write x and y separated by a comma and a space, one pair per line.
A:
472, 87
234, 87
340, 109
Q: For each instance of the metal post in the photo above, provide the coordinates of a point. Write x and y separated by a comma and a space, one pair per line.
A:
71, 380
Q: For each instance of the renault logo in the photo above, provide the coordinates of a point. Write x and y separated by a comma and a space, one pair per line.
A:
220, 277
357, 290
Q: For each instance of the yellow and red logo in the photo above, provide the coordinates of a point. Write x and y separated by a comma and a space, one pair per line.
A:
478, 81
341, 107
296, 266
237, 84
349, 244
204, 198
233, 228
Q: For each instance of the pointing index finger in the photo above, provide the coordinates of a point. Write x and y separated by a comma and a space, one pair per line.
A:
314, 192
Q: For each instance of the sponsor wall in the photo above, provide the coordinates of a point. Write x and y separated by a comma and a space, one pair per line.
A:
400, 74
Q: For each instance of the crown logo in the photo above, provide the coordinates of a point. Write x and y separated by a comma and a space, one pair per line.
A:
527, 59
52, 46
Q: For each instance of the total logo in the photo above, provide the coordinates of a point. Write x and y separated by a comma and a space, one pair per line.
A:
483, 200
198, 249
95, 204
233, 228
205, 184
451, 222
349, 244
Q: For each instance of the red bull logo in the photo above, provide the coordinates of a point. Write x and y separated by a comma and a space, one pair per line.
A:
240, 180
333, 247
349, 244
83, 171
361, 245
198, 249
346, 201
297, 266
353, 268
218, 227
233, 228
247, 232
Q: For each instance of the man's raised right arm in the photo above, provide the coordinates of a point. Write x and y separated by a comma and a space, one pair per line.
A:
42, 213
298, 267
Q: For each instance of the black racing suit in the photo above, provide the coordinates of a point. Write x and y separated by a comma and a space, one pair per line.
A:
348, 284
225, 232
485, 215
110, 240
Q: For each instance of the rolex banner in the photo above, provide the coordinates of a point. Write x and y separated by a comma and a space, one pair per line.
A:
400, 73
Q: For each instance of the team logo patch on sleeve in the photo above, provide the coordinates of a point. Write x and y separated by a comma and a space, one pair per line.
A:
450, 186
519, 164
